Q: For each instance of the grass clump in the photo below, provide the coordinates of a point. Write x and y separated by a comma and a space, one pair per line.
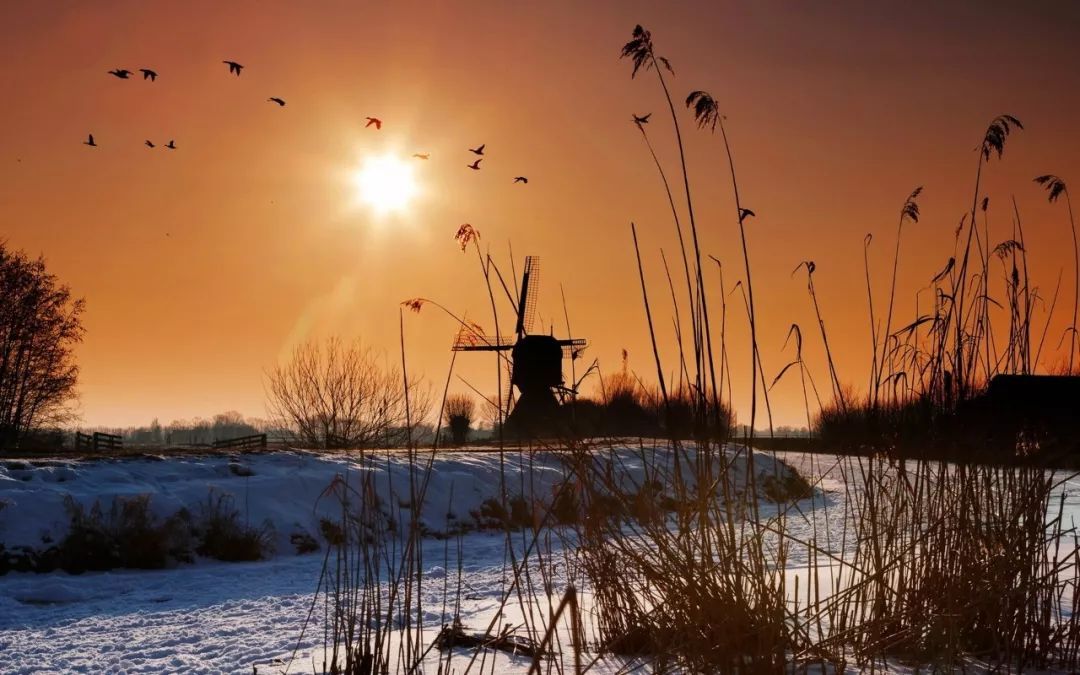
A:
222, 535
518, 513
785, 487
126, 535
679, 583
303, 543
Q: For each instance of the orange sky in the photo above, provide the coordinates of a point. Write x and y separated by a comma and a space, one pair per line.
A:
835, 116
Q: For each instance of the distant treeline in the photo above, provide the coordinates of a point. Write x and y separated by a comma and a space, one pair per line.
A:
197, 431
228, 425
628, 409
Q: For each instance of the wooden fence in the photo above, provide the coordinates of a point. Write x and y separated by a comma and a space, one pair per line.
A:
243, 442
98, 441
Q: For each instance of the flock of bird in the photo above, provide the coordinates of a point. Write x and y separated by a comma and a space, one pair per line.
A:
235, 68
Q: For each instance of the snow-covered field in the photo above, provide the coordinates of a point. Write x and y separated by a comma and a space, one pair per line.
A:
205, 618
284, 488
214, 617
228, 617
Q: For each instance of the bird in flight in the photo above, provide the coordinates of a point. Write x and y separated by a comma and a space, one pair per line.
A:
642, 119
148, 74
171, 145
373, 120
279, 101
521, 179
234, 67
478, 151
422, 155
475, 166
149, 144
90, 141
121, 73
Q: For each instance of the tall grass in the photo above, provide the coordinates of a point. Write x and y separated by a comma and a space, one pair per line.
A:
694, 588
640, 50
1055, 187
952, 563
909, 212
696, 556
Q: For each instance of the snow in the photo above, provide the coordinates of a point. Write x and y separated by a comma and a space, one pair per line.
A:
284, 488
212, 617
202, 618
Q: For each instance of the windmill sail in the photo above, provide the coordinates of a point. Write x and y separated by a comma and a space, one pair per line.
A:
572, 348
530, 288
472, 341
507, 393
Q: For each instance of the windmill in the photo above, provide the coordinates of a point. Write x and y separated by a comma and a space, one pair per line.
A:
535, 359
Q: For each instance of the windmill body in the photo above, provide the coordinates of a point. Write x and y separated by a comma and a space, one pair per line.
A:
535, 361
537, 374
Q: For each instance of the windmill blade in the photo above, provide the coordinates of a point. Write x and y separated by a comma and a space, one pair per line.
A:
512, 297
482, 348
507, 394
530, 288
469, 341
571, 349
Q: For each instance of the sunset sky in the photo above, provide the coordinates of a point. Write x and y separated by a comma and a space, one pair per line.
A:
202, 267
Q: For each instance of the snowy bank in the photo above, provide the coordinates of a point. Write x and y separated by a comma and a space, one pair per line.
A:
285, 492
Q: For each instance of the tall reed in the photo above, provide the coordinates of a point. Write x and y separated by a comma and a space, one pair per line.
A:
701, 557
1055, 187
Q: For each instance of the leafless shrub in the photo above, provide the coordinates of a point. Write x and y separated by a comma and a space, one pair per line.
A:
338, 394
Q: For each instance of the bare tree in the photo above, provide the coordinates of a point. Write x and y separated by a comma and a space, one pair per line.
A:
40, 324
340, 394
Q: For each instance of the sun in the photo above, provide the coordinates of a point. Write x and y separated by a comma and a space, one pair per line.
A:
386, 184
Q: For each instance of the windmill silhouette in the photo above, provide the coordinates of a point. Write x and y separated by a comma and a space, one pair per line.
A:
535, 359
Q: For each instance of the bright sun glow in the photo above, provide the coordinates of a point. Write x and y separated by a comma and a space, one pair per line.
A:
386, 184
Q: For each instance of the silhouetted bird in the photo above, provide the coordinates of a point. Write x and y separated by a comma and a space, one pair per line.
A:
171, 145
149, 144
475, 166
521, 179
745, 213
642, 119
279, 101
234, 67
90, 141
478, 151
422, 155
121, 73
148, 74
373, 120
